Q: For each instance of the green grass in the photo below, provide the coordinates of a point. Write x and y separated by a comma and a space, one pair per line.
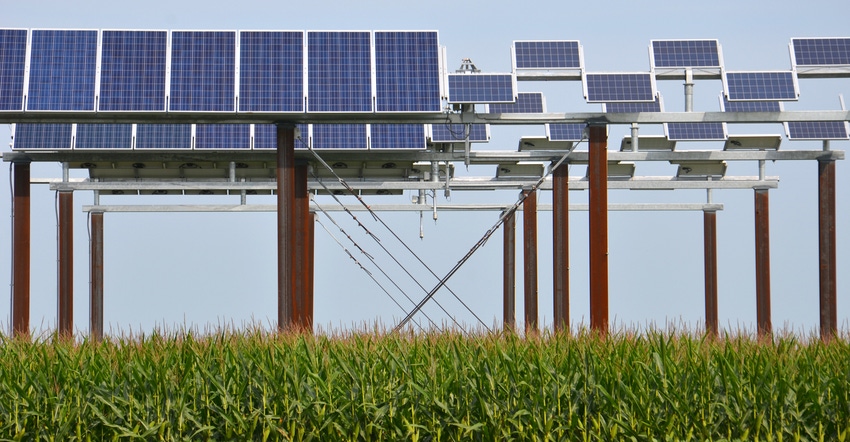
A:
372, 386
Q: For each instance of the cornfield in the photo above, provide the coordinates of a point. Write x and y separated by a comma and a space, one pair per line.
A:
431, 387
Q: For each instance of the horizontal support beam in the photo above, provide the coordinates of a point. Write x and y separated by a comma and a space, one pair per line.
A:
649, 207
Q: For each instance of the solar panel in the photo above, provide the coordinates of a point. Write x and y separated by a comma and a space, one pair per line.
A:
481, 88
602, 88
751, 106
397, 136
821, 51
62, 70
104, 136
816, 130
132, 72
339, 72
339, 136
619, 108
164, 136
754, 86
271, 71
407, 71
551, 54
455, 133
695, 131
565, 131
42, 136
265, 136
223, 136
526, 103
203, 71
685, 54
13, 55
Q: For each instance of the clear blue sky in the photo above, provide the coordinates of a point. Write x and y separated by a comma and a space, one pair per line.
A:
210, 269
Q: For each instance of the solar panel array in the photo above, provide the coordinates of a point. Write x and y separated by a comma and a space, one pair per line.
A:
481, 88
816, 130
821, 51
753, 86
685, 54
526, 103
543, 54
456, 133
608, 88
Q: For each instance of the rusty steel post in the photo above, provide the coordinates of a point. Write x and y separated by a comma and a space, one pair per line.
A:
65, 302
762, 218
21, 250
710, 249
827, 249
285, 223
301, 212
529, 239
598, 219
509, 272
96, 290
311, 267
561, 248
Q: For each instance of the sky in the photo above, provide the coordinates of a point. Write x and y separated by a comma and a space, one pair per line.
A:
206, 271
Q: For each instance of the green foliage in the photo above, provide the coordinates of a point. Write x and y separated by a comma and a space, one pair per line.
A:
432, 387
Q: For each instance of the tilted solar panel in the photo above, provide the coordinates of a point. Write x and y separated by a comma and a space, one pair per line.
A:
104, 136
407, 71
526, 103
203, 71
481, 88
455, 133
754, 86
565, 131
339, 71
271, 71
397, 136
816, 130
13, 55
164, 136
607, 88
42, 136
339, 136
821, 51
132, 71
685, 54
619, 108
265, 136
695, 131
750, 106
62, 70
552, 54
223, 136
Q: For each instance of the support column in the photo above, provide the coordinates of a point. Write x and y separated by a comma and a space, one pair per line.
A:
827, 249
561, 249
762, 218
301, 213
509, 272
598, 218
311, 266
65, 302
21, 250
96, 290
529, 239
710, 248
285, 225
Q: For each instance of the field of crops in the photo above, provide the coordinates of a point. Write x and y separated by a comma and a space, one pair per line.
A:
372, 386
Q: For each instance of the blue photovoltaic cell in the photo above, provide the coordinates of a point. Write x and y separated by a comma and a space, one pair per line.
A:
132, 72
164, 136
685, 53
398, 136
454, 133
407, 72
104, 136
526, 103
547, 55
566, 131
339, 72
750, 106
265, 136
821, 51
750, 86
339, 136
619, 87
481, 88
271, 72
817, 130
695, 131
13, 55
223, 136
203, 71
42, 136
62, 70
619, 108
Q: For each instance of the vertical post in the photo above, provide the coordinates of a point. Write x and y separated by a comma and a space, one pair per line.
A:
301, 214
826, 249
529, 239
65, 302
285, 224
710, 249
598, 218
311, 267
21, 250
762, 219
561, 248
509, 272
96, 291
